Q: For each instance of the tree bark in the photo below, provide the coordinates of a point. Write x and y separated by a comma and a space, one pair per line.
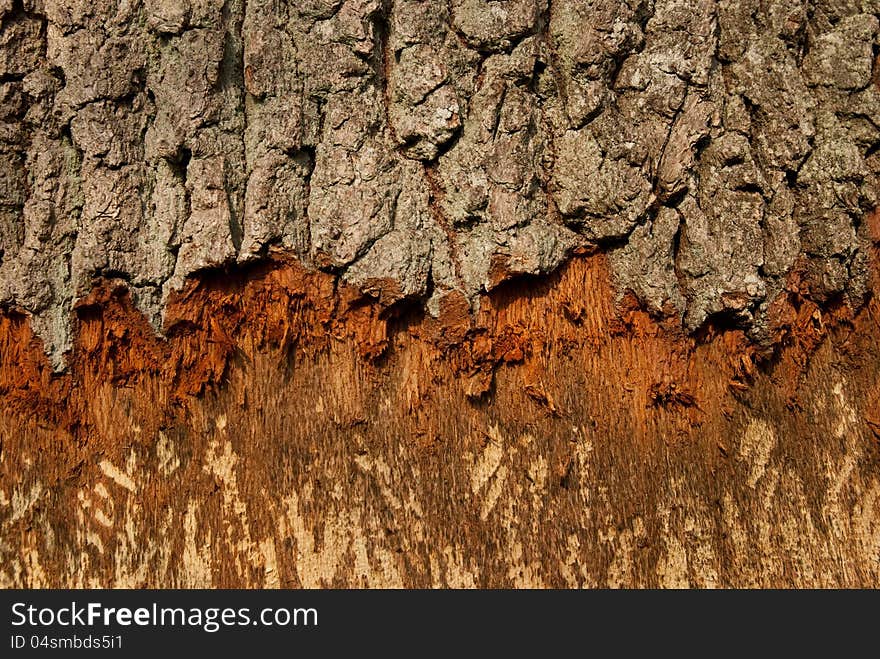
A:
425, 294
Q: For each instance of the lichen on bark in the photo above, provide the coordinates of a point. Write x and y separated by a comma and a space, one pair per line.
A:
719, 151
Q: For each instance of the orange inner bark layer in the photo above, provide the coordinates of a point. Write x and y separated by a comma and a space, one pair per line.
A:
281, 308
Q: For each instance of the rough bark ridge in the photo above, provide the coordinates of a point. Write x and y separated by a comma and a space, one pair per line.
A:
419, 148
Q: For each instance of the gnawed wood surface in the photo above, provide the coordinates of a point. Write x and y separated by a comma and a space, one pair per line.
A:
289, 433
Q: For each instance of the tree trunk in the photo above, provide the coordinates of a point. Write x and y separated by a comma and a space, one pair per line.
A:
418, 293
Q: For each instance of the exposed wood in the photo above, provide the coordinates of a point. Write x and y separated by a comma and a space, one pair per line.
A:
337, 445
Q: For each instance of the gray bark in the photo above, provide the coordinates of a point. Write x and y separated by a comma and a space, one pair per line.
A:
715, 149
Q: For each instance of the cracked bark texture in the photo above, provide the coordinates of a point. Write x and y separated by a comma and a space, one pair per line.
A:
721, 152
